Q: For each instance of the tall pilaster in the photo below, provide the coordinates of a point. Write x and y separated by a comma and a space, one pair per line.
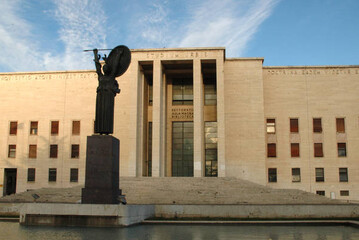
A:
158, 121
220, 117
198, 101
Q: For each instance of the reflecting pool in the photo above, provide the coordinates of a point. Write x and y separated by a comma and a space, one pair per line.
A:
12, 231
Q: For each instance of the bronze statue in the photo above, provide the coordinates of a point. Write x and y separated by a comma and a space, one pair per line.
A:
115, 65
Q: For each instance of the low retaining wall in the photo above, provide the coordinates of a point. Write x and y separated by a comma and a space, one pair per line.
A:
291, 211
92, 215
10, 209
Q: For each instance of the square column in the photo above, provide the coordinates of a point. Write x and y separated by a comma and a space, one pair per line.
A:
220, 117
136, 125
158, 121
198, 124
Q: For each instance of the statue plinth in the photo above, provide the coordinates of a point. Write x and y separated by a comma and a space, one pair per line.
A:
102, 170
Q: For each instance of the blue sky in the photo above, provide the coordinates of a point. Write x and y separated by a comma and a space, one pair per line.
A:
47, 35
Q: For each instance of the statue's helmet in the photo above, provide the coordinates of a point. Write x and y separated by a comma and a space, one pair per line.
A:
106, 69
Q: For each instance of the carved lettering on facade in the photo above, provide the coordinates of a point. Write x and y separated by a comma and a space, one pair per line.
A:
334, 71
47, 76
179, 54
182, 113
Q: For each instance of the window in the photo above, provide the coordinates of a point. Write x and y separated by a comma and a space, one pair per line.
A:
75, 127
318, 150
53, 151
32, 151
54, 127
210, 132
271, 150
33, 128
294, 149
321, 192
52, 174
182, 92
317, 125
210, 91
31, 174
13, 128
319, 174
74, 175
344, 193
150, 91
342, 150
12, 151
295, 174
343, 174
272, 175
340, 125
149, 150
75, 150
270, 125
294, 126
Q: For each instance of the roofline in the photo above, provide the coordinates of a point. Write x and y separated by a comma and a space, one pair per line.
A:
308, 66
48, 72
178, 49
246, 59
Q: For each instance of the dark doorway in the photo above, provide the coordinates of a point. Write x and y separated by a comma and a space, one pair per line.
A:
10, 181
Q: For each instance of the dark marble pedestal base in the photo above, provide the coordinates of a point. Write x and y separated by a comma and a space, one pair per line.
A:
102, 170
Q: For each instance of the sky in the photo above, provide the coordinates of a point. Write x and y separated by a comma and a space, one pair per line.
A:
50, 35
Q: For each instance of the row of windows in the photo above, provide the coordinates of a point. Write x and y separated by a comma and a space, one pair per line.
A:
34, 126
295, 151
294, 125
342, 192
74, 174
319, 175
75, 151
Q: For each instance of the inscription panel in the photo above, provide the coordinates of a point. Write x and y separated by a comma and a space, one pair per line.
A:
334, 71
48, 76
182, 114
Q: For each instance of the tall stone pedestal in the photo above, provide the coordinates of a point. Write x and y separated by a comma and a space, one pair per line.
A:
102, 170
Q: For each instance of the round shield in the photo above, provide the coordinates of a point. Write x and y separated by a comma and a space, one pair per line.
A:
119, 59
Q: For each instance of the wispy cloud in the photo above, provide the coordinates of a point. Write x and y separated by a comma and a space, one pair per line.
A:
228, 23
82, 25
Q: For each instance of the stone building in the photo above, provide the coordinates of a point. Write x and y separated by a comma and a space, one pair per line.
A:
189, 112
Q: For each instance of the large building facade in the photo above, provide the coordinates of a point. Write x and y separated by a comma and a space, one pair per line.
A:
189, 112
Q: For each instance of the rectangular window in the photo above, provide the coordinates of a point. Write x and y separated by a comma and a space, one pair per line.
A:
54, 127
13, 128
342, 150
343, 174
210, 132
75, 127
149, 150
317, 125
74, 175
210, 91
52, 174
321, 192
182, 149
150, 91
318, 150
344, 193
12, 151
75, 151
319, 174
270, 125
33, 128
53, 151
272, 175
271, 150
32, 151
31, 174
294, 126
295, 174
182, 92
340, 125
294, 149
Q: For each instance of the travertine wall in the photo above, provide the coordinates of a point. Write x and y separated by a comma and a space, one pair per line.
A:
306, 93
244, 119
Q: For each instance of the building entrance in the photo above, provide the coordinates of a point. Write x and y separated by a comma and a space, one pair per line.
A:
10, 181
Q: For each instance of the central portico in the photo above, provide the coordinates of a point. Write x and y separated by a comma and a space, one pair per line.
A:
180, 97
